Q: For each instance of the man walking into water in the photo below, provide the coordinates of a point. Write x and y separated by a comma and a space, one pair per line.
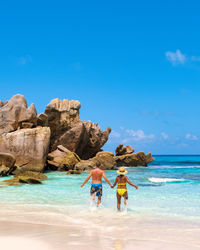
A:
96, 187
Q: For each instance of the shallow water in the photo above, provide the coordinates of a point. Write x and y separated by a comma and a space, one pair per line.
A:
168, 196
171, 189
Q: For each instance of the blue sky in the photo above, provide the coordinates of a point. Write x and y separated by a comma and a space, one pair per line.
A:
133, 65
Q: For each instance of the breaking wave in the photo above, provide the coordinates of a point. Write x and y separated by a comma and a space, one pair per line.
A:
160, 180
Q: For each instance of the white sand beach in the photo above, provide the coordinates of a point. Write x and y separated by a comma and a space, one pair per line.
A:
153, 235
8, 243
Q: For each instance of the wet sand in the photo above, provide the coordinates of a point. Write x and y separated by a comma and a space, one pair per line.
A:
151, 235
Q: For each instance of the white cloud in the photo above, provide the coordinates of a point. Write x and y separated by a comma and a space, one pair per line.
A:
191, 137
139, 135
125, 140
114, 134
176, 57
164, 135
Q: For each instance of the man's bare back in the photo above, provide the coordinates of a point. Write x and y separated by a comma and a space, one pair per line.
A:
97, 175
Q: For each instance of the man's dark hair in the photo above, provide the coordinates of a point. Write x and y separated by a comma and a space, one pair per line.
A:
98, 164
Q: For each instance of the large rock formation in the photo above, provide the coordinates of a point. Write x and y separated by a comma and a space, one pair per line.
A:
62, 159
26, 177
7, 162
135, 159
106, 158
96, 139
20, 136
83, 138
110, 162
59, 133
73, 171
29, 146
15, 114
123, 150
26, 135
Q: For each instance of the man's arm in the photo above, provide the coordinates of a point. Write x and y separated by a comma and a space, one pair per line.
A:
116, 180
106, 179
87, 179
130, 183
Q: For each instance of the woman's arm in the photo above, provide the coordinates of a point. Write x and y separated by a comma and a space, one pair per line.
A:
106, 179
87, 179
116, 180
130, 183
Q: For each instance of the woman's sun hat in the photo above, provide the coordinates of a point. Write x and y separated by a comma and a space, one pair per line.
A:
122, 171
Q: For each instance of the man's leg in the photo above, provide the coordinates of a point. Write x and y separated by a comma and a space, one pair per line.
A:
99, 201
118, 202
93, 196
92, 193
99, 194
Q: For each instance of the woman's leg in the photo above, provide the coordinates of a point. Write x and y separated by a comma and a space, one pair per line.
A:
125, 198
118, 202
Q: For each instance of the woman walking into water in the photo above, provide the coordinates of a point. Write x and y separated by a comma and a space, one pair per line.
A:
121, 180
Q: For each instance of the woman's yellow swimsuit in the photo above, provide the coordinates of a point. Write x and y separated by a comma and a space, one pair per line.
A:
121, 191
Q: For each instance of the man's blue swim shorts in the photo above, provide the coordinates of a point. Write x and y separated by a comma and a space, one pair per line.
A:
96, 188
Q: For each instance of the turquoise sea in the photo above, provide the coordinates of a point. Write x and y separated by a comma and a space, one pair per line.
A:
169, 186
164, 213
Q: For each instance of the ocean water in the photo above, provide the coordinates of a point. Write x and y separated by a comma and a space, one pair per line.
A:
164, 213
170, 186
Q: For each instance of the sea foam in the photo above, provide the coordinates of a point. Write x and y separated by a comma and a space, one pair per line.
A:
160, 180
